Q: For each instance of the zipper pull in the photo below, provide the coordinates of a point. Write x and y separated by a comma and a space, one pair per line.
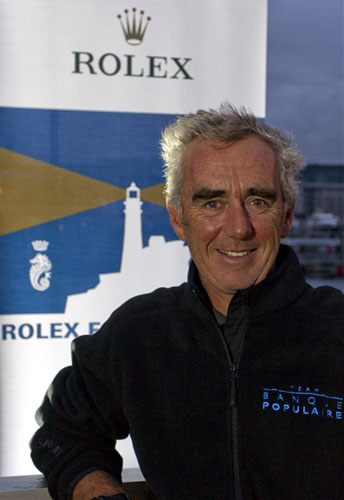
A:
234, 378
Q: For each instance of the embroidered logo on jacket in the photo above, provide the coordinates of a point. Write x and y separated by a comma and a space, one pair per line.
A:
302, 401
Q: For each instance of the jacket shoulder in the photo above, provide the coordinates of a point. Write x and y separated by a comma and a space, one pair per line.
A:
156, 301
142, 313
326, 300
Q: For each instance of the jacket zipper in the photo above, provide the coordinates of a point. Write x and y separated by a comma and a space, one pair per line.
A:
235, 431
233, 404
234, 409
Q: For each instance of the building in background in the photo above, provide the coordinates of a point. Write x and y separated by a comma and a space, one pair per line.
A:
322, 189
317, 233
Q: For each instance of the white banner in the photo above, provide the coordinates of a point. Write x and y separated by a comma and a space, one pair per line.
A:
163, 57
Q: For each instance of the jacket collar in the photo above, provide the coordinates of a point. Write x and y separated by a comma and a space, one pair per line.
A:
282, 287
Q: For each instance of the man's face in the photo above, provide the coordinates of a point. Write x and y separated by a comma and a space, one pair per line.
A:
233, 214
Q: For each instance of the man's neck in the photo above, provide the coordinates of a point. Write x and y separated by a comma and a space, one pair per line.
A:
219, 302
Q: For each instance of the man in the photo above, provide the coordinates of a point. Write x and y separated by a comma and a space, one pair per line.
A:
230, 385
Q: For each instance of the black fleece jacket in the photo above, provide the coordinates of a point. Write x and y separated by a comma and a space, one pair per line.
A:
203, 426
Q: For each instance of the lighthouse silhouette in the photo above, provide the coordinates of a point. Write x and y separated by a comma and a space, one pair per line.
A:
132, 239
160, 263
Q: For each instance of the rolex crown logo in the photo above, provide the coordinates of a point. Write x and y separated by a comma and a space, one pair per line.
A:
40, 245
134, 26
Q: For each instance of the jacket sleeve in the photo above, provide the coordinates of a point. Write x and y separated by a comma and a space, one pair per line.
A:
81, 418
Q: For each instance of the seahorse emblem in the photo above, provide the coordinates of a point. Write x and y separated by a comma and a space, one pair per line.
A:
40, 272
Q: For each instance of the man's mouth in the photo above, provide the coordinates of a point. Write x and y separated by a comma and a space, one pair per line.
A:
235, 254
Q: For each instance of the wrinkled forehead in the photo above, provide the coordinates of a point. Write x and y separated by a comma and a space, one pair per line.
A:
249, 156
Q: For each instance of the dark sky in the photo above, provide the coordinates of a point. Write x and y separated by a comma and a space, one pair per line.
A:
305, 77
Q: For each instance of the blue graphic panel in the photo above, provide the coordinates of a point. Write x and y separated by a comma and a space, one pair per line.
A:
116, 148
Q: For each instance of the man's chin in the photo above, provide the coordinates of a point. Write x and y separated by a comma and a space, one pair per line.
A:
233, 286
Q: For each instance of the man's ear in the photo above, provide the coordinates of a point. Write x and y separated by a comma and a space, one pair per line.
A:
176, 221
287, 220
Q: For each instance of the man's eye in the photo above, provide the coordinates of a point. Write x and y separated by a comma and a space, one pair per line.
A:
258, 204
212, 204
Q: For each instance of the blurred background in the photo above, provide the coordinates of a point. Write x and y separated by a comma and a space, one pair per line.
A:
305, 95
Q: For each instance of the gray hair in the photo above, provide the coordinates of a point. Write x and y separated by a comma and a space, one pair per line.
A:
226, 125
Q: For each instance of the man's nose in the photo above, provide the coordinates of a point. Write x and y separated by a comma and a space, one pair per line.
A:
237, 223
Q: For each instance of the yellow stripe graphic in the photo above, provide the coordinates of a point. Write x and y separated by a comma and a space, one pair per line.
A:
33, 192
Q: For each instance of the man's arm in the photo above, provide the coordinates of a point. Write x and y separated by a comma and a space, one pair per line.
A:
95, 484
80, 419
